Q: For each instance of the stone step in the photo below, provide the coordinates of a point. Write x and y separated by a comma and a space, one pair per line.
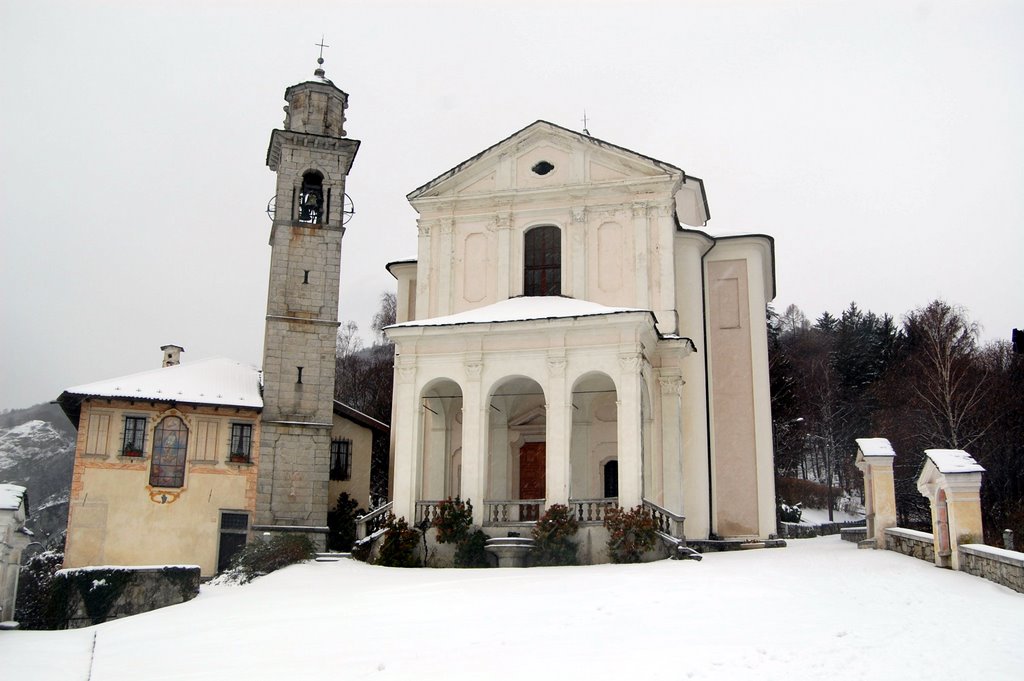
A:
331, 557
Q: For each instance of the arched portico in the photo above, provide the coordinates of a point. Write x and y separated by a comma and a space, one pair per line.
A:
440, 443
594, 446
516, 450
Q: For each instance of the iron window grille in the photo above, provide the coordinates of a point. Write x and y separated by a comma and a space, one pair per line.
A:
134, 436
341, 459
241, 442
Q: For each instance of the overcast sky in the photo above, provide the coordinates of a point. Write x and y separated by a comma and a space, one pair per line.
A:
880, 143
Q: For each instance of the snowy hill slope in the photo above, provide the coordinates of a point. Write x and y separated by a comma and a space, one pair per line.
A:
819, 609
37, 450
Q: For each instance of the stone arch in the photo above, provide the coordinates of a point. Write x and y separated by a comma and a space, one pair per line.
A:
516, 427
440, 435
594, 438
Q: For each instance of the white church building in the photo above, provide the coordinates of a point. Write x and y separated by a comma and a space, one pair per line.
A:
569, 335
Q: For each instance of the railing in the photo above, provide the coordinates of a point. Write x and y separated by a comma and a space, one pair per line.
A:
426, 510
668, 522
512, 511
371, 522
591, 511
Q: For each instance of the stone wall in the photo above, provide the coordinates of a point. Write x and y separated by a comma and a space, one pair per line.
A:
854, 534
910, 543
994, 564
93, 595
797, 531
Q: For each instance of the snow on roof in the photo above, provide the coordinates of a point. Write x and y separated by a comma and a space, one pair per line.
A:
217, 380
11, 496
522, 308
953, 461
875, 446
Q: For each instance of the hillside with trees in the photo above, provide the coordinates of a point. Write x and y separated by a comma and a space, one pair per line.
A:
925, 382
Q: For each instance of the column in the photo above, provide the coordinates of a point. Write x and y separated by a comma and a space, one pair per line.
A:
407, 459
557, 466
474, 440
423, 266
672, 440
640, 250
504, 226
630, 430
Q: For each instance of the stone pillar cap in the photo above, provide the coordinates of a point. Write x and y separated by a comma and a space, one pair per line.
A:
948, 461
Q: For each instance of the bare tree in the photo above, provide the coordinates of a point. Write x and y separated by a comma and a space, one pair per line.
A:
385, 316
951, 385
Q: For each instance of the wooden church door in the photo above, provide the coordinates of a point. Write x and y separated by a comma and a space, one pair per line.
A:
531, 478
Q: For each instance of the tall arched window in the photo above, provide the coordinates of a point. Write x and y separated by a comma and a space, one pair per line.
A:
170, 442
542, 275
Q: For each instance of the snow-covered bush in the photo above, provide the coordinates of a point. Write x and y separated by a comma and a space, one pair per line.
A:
789, 514
35, 591
399, 544
631, 533
453, 520
341, 523
260, 557
553, 537
471, 551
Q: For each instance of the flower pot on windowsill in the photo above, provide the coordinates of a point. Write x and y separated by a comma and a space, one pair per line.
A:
133, 453
238, 458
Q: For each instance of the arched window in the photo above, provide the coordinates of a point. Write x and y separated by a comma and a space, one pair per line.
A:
311, 198
542, 259
611, 479
170, 441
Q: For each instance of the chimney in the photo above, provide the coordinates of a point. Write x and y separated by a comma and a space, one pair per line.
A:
171, 355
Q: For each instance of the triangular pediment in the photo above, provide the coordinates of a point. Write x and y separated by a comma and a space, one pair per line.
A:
544, 155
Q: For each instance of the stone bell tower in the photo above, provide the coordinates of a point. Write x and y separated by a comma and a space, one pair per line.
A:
311, 157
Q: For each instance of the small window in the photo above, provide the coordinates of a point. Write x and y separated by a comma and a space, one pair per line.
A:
134, 435
611, 479
170, 444
241, 442
542, 260
341, 459
542, 168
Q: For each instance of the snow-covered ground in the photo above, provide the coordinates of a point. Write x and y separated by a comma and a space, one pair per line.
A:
820, 609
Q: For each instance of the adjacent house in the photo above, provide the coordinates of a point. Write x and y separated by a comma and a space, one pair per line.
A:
167, 461
14, 537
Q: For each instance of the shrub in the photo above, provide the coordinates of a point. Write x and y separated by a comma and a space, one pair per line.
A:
807, 492
453, 520
35, 591
553, 537
399, 544
260, 557
789, 514
630, 533
471, 552
341, 523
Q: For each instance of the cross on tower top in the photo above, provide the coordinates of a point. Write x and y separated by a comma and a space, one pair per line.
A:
585, 131
320, 60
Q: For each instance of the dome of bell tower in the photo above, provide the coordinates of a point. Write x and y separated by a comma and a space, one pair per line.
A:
316, 106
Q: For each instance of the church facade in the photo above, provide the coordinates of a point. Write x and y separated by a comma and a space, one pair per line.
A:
568, 334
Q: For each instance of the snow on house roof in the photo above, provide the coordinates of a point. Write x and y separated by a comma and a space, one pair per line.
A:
11, 496
875, 446
953, 461
522, 308
217, 380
